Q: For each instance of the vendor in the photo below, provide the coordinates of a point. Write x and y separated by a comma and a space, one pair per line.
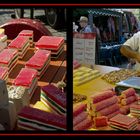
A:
131, 49
84, 25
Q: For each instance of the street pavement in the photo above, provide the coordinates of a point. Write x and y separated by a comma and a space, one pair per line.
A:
5, 16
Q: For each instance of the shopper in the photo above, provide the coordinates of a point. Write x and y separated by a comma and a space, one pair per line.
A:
131, 49
85, 28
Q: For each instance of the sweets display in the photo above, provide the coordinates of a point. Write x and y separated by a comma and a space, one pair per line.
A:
27, 78
8, 58
19, 95
78, 98
119, 75
54, 98
3, 73
52, 43
19, 80
123, 122
39, 61
83, 75
35, 119
3, 42
28, 33
81, 120
21, 43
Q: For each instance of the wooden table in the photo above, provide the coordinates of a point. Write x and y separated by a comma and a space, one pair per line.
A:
55, 72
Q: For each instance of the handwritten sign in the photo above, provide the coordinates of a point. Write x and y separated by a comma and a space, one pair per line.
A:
84, 48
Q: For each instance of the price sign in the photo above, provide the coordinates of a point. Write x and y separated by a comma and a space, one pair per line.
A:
84, 48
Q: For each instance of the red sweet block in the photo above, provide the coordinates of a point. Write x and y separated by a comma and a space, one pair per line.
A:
108, 110
77, 109
25, 77
79, 118
128, 92
26, 33
50, 43
19, 42
123, 121
39, 59
101, 96
7, 55
105, 103
101, 121
128, 100
39, 117
84, 125
55, 94
3, 72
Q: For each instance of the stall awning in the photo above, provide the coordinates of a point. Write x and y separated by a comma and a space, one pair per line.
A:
105, 12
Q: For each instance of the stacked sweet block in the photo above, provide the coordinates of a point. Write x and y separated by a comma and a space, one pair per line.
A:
19, 96
127, 98
8, 58
81, 120
76, 64
28, 33
39, 61
52, 43
83, 74
54, 99
21, 43
35, 119
103, 104
123, 122
7, 109
3, 39
28, 79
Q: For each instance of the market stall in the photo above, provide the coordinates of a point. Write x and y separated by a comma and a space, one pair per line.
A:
96, 102
33, 81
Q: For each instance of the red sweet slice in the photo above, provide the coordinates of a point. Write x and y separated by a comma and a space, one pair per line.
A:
55, 94
39, 59
124, 120
25, 77
26, 33
19, 42
79, 118
79, 108
3, 71
101, 96
6, 55
43, 117
49, 42
109, 110
84, 125
128, 92
105, 103
101, 121
76, 66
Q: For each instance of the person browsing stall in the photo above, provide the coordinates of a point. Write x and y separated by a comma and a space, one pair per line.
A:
131, 49
84, 25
